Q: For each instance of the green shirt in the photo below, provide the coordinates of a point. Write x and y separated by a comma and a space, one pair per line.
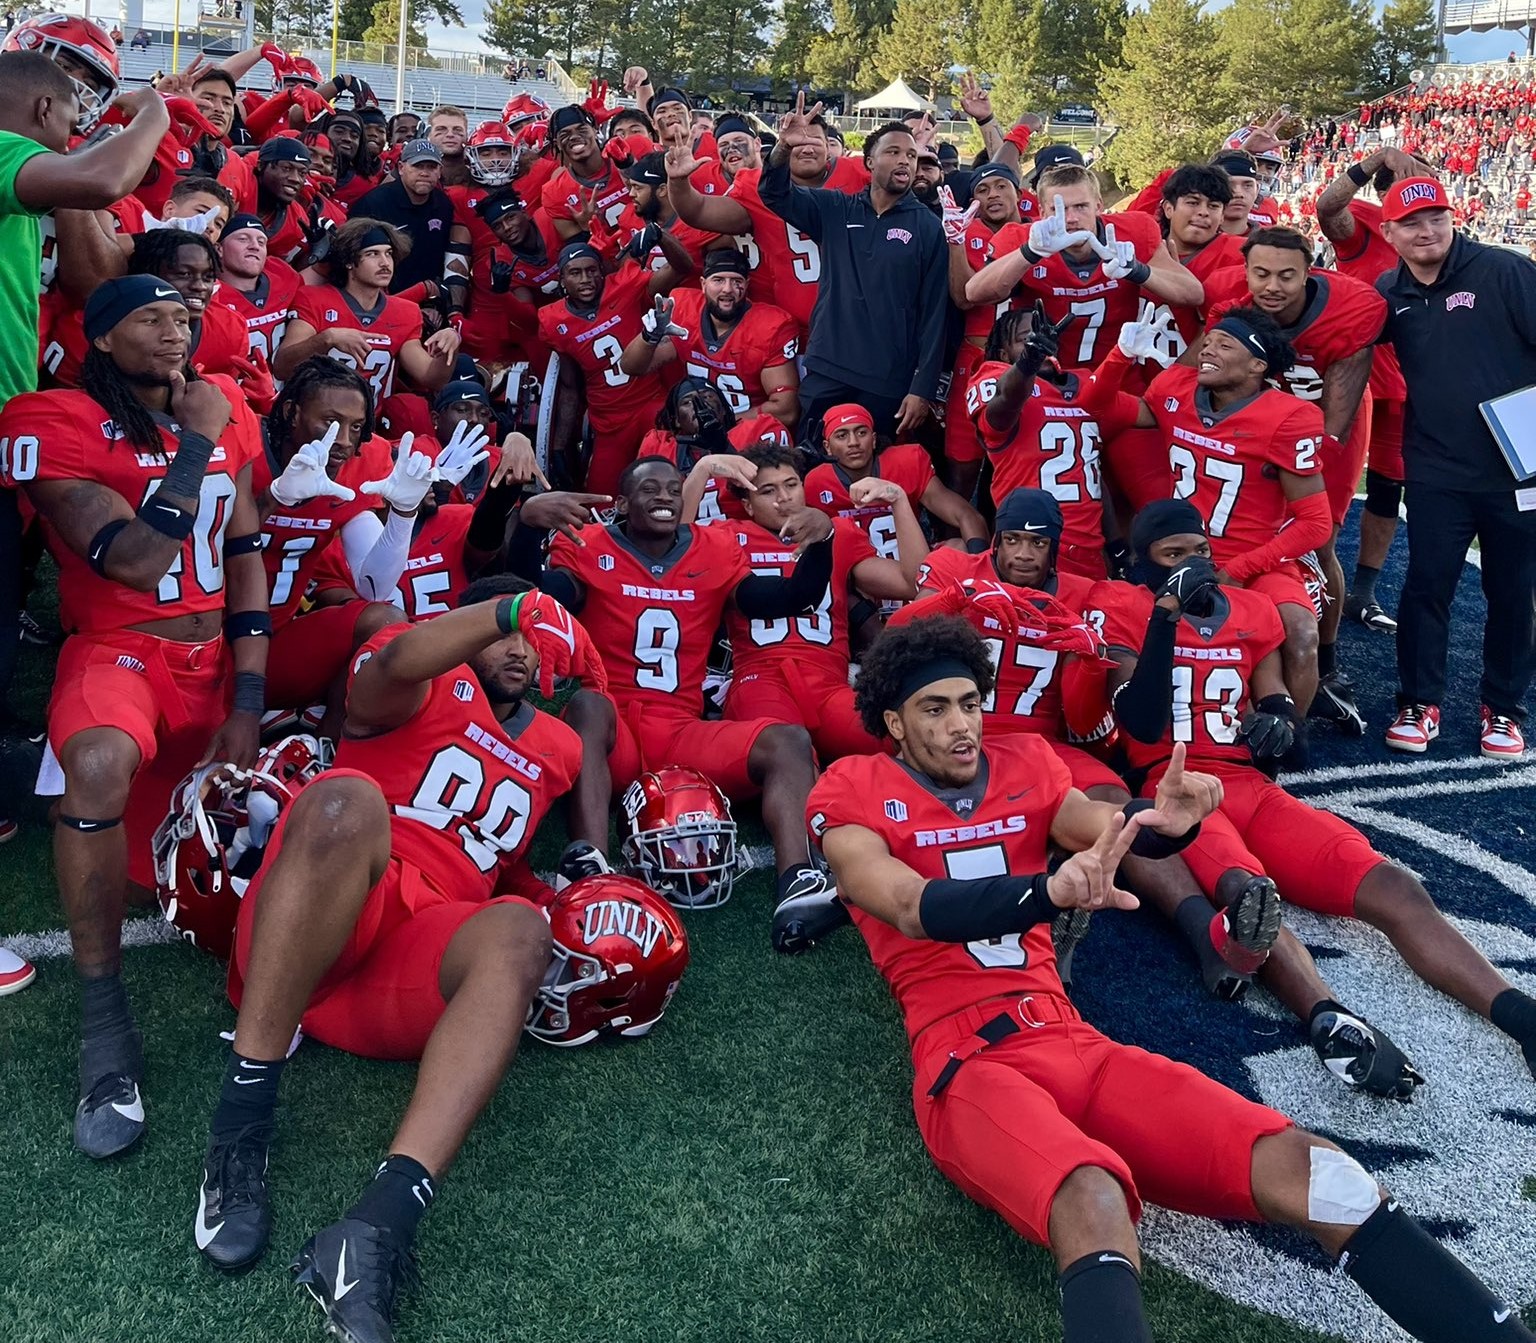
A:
21, 258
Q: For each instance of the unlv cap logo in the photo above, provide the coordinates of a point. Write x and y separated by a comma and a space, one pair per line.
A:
621, 918
1420, 191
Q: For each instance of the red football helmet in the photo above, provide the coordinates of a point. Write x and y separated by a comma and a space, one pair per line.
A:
301, 70
679, 838
82, 41
492, 154
523, 107
212, 841
620, 953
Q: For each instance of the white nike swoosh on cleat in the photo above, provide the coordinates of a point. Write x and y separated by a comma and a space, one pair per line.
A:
134, 1110
1499, 1316
201, 1230
342, 1285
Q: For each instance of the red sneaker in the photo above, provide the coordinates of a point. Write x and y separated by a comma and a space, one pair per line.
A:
1502, 738
1415, 726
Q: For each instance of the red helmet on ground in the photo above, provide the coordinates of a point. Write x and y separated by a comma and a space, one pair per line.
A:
83, 41
620, 953
212, 841
678, 837
492, 154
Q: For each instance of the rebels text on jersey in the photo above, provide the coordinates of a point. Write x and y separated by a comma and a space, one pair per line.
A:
1214, 658
293, 540
765, 337
654, 620
389, 328
816, 641
1228, 463
564, 194
1002, 828
466, 791
596, 341
69, 436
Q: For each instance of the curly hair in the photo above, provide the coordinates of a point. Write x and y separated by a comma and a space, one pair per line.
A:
893, 657
1007, 329
155, 252
314, 374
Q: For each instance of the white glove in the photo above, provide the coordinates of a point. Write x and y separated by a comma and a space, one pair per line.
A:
192, 224
407, 484
656, 321
955, 220
463, 452
1049, 234
1118, 258
305, 476
1149, 340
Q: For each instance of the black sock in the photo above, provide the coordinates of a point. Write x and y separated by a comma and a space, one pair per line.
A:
1423, 1286
1101, 1301
110, 1044
248, 1097
1363, 590
398, 1198
1193, 919
1327, 660
1514, 1013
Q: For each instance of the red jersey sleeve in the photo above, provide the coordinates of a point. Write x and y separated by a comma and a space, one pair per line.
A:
1297, 442
780, 337
941, 566
310, 303
1356, 314
1137, 228
1007, 239
1150, 197
910, 467
1119, 613
41, 440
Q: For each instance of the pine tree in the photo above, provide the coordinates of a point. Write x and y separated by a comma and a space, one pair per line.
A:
1164, 95
1407, 42
1313, 54
520, 27
800, 24
921, 43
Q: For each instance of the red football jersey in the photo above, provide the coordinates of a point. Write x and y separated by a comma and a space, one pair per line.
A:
596, 342
818, 639
654, 620
1365, 256
793, 258
1213, 663
294, 539
465, 200
266, 309
466, 791
220, 339
435, 571
1027, 696
718, 501
827, 485
70, 436
1342, 317
1001, 828
498, 328
765, 337
980, 321
1212, 265
1101, 306
564, 192
390, 327
1227, 463
1053, 447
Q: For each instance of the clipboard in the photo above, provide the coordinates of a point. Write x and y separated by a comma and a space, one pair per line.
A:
1511, 419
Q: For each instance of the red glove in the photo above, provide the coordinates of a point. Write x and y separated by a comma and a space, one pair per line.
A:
192, 123
310, 101
276, 57
563, 646
255, 379
625, 149
1019, 136
1065, 630
597, 102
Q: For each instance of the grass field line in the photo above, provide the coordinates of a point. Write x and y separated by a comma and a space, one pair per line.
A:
1516, 777
1455, 847
1393, 769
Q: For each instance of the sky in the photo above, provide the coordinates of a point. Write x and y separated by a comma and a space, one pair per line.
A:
1467, 47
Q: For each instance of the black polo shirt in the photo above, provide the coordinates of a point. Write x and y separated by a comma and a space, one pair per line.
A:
427, 226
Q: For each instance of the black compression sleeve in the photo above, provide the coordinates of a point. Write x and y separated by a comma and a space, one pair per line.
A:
968, 911
1153, 843
562, 587
1144, 704
183, 478
762, 597
488, 523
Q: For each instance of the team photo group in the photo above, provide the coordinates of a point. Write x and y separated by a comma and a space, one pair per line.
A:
447, 557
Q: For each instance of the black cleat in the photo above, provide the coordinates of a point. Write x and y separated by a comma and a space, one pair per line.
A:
1361, 1056
234, 1212
1335, 703
579, 860
808, 911
110, 1117
1068, 929
1250, 924
1370, 615
33, 633
353, 1270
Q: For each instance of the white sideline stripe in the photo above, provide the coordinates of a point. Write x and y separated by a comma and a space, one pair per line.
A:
143, 932
1392, 769
1518, 777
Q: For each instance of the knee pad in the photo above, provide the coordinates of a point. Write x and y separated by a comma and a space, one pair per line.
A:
1340, 1191
1383, 495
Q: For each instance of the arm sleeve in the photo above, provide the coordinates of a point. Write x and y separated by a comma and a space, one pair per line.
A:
764, 597
1144, 704
800, 206
377, 552
1308, 524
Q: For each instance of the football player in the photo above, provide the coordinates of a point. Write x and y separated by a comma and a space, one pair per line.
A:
374, 923
1198, 668
651, 213
848, 438
942, 852
142, 482
190, 262
259, 289
282, 173
510, 278
653, 590
588, 184
748, 350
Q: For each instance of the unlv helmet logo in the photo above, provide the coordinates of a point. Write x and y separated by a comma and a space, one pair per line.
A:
622, 918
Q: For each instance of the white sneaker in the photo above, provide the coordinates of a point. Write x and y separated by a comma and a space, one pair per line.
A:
15, 973
1415, 726
1502, 738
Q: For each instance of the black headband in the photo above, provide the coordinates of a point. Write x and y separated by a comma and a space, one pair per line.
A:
375, 237
1234, 325
940, 669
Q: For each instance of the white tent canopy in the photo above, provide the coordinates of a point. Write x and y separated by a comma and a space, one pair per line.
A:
897, 96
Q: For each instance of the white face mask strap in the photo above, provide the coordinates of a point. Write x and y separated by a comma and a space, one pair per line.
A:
1339, 1190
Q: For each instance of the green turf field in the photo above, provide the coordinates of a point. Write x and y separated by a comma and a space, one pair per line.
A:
750, 1172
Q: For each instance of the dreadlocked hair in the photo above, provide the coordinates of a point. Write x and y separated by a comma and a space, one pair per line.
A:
105, 384
314, 374
666, 417
889, 662
156, 251
1007, 329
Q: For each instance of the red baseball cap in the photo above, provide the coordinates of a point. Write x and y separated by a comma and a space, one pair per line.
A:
1410, 196
841, 416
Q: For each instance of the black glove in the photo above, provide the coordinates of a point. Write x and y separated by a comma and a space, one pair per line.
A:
1269, 728
712, 436
641, 244
501, 277
1193, 580
1043, 341
317, 233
